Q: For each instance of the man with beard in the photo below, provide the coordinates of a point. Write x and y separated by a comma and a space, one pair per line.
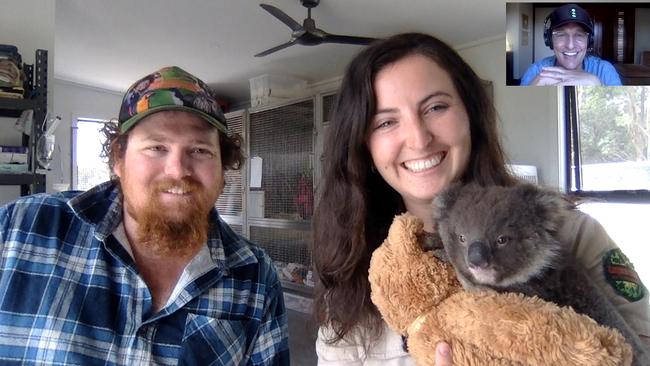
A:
569, 32
142, 270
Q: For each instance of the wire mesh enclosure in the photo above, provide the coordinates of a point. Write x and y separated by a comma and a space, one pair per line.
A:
290, 250
283, 138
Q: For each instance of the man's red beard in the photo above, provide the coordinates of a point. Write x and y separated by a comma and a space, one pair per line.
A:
178, 230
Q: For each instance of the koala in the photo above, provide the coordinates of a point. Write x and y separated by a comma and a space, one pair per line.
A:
504, 238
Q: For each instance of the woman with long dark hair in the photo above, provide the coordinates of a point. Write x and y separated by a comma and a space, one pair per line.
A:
411, 117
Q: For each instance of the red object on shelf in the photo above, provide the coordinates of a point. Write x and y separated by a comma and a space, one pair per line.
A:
305, 198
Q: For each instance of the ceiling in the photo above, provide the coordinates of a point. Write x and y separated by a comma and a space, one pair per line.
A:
111, 43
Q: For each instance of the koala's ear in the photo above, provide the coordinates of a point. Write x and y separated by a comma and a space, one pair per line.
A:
445, 200
548, 205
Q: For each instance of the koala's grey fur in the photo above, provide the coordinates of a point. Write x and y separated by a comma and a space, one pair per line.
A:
504, 238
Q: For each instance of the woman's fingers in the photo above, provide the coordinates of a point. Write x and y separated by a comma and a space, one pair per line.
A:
443, 354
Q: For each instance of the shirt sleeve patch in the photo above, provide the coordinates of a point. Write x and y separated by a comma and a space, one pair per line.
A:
620, 274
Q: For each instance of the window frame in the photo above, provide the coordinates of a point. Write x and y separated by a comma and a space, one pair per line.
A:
573, 162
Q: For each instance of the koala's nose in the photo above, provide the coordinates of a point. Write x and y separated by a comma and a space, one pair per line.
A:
478, 254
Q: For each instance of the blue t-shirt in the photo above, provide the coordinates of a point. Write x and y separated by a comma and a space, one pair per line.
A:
591, 64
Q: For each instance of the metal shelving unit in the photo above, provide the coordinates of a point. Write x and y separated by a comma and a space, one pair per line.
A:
36, 91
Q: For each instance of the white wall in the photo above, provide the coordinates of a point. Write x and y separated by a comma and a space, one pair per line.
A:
528, 115
541, 50
73, 101
641, 33
29, 25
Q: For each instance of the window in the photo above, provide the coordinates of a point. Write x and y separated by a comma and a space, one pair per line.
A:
608, 132
608, 162
88, 167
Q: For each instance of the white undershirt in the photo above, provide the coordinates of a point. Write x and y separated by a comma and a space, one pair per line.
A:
197, 267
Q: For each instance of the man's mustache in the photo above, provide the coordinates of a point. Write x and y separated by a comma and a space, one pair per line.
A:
186, 184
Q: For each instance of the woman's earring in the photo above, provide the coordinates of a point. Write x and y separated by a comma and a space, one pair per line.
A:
372, 168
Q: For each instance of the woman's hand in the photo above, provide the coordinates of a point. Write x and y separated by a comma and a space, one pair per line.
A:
443, 354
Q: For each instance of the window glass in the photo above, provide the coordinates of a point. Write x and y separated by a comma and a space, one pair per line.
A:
89, 167
613, 125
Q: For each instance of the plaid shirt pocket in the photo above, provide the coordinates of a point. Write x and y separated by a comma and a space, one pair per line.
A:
213, 341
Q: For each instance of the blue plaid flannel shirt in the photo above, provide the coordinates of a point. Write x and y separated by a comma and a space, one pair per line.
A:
70, 293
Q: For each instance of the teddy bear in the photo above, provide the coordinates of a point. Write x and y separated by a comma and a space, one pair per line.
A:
419, 296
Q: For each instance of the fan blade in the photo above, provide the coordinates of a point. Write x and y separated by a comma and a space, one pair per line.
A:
336, 38
284, 18
277, 48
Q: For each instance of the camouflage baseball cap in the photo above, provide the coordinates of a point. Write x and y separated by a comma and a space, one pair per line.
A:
170, 88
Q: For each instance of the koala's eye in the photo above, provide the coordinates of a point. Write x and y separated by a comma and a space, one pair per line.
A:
502, 240
461, 238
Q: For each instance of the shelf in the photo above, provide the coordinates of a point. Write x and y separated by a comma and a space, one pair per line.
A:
30, 183
280, 223
38, 180
297, 289
36, 84
10, 107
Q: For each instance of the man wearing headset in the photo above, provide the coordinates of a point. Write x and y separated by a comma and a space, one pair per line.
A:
569, 32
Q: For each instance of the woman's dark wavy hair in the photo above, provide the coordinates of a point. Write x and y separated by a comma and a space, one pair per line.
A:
357, 206
115, 143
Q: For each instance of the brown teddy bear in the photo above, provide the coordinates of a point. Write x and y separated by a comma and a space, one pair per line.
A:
419, 296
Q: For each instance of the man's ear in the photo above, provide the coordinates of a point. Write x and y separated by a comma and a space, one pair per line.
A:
117, 168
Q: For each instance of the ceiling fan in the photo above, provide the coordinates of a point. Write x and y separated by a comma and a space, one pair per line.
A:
307, 34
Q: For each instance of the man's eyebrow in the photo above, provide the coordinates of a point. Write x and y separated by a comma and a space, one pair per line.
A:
154, 137
161, 138
420, 103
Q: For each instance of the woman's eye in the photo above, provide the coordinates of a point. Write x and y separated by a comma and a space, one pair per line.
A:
384, 124
436, 108
156, 148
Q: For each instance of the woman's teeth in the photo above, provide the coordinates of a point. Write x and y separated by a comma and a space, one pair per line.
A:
420, 165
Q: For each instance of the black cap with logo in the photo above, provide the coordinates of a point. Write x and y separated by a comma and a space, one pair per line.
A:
569, 13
